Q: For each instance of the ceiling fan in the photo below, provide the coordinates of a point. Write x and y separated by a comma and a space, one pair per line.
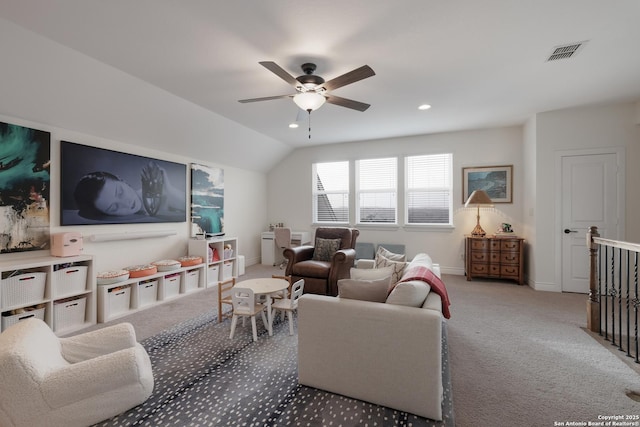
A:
312, 91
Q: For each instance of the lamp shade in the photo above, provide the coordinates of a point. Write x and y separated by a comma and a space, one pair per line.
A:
477, 198
309, 101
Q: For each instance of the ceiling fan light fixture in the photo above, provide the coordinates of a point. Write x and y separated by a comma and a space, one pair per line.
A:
309, 101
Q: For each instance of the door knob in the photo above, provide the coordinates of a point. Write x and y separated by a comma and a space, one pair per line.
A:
567, 231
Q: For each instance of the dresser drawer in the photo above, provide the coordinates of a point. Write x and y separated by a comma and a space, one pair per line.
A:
509, 271
509, 245
480, 269
479, 256
510, 257
479, 244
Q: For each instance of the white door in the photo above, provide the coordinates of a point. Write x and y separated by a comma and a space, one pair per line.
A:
589, 197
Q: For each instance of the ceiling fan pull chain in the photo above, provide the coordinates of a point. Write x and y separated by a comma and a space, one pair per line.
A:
309, 123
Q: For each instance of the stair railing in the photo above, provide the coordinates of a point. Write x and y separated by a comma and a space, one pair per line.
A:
613, 304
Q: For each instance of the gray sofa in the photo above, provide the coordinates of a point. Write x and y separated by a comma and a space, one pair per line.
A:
382, 353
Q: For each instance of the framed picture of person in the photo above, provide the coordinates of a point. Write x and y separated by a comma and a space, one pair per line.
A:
100, 186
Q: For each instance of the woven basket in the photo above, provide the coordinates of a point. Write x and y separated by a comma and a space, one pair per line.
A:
23, 289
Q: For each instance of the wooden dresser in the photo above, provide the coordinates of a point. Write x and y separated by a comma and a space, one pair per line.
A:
495, 258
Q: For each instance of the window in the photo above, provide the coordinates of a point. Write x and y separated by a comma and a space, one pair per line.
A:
331, 192
376, 191
428, 188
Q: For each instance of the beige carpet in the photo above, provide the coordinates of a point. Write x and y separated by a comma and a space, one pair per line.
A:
518, 357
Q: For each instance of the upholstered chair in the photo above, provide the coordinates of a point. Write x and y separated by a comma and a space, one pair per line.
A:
322, 265
71, 382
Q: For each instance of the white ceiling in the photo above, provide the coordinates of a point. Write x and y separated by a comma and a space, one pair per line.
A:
478, 63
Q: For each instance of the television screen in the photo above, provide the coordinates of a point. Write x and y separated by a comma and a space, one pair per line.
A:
100, 186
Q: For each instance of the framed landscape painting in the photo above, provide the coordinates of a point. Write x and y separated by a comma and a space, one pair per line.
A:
496, 181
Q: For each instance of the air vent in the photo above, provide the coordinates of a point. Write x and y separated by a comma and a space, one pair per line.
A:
565, 51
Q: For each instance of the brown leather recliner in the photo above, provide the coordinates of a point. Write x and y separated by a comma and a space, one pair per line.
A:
321, 277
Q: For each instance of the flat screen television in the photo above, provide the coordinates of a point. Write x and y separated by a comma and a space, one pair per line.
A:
100, 186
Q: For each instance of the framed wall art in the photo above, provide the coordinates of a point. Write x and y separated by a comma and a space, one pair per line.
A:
25, 155
497, 181
100, 186
207, 200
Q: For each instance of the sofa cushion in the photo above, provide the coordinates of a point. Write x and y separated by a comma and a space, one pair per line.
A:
325, 248
371, 273
364, 290
382, 251
398, 268
412, 293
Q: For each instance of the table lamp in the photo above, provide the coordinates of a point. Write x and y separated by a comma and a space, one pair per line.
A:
478, 198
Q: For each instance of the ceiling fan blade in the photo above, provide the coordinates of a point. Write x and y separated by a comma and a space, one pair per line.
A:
348, 103
280, 72
350, 77
266, 98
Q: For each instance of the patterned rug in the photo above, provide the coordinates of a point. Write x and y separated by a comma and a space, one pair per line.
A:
202, 378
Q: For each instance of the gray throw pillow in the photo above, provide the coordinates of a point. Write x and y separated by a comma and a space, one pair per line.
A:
364, 290
325, 248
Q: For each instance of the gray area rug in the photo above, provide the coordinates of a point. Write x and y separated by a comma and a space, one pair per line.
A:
202, 378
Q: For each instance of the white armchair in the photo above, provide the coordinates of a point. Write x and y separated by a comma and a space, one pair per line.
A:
75, 381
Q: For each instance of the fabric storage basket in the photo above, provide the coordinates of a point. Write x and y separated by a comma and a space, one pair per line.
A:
147, 292
213, 275
13, 319
227, 270
23, 289
191, 279
172, 285
71, 280
119, 300
69, 313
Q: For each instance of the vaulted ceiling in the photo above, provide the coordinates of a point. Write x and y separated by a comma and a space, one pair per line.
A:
477, 63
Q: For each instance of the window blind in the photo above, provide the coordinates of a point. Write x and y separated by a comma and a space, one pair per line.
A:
376, 190
428, 188
331, 192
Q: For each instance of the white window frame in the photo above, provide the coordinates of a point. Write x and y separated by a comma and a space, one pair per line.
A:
445, 185
369, 166
332, 192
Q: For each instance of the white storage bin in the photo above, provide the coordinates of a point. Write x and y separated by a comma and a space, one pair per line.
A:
71, 280
191, 279
147, 292
23, 289
118, 300
227, 270
13, 319
69, 313
213, 275
171, 285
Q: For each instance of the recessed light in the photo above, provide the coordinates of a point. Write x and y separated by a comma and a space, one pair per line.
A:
293, 125
424, 107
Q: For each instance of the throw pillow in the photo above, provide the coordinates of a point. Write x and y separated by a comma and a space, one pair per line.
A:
370, 273
411, 293
398, 268
325, 248
364, 290
390, 255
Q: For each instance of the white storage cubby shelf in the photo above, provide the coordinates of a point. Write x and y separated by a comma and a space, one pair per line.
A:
126, 297
58, 290
221, 267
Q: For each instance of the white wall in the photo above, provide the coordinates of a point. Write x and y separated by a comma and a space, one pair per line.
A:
289, 187
245, 216
576, 129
